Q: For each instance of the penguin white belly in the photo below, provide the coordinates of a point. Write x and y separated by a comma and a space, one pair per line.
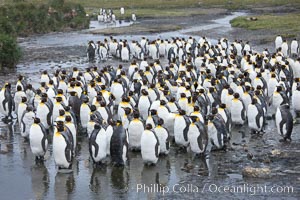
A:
155, 105
72, 128
42, 112
295, 101
162, 136
56, 108
28, 121
35, 137
109, 131
102, 145
183, 104
2, 97
173, 108
21, 109
276, 101
103, 113
148, 143
125, 54
59, 146
135, 130
252, 113
84, 115
90, 128
278, 119
143, 106
118, 93
193, 135
169, 123
179, 126
236, 112
213, 135
223, 95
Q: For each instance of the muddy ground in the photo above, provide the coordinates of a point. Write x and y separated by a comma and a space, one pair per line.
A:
22, 179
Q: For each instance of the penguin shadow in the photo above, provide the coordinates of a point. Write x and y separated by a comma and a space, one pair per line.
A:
40, 181
6, 138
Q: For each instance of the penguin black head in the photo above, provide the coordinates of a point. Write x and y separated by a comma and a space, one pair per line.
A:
136, 114
183, 95
67, 108
44, 95
73, 93
37, 120
68, 118
181, 112
60, 126
230, 91
148, 127
236, 95
85, 99
60, 91
210, 117
162, 102
222, 105
97, 126
172, 99
153, 112
45, 72
214, 110
279, 89
93, 108
201, 91
257, 92
259, 87
144, 92
43, 100
58, 99
194, 119
99, 98
29, 108
254, 101
61, 112
24, 99
127, 110
19, 88
29, 86
160, 122
20, 77
51, 82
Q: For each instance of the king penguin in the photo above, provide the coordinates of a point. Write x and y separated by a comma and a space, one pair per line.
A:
38, 140
197, 136
150, 147
163, 137
119, 146
98, 144
135, 130
256, 117
62, 147
181, 128
27, 120
284, 122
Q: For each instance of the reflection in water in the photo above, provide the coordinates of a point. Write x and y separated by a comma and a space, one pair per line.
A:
40, 181
64, 185
99, 180
119, 182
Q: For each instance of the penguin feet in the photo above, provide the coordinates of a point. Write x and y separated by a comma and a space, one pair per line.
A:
285, 140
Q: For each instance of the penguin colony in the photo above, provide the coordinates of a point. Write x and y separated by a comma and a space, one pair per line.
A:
193, 102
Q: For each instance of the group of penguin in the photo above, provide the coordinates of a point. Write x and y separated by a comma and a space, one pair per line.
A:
192, 102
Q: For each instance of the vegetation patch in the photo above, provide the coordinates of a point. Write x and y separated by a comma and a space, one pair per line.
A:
287, 25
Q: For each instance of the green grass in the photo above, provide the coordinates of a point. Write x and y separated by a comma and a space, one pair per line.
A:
288, 24
234, 4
